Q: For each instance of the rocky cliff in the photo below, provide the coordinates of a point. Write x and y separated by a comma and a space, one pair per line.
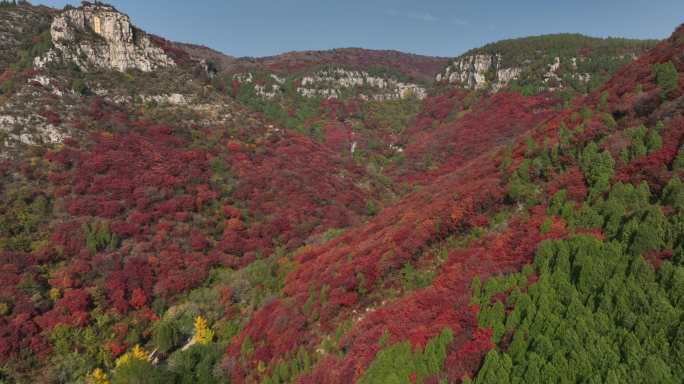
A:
41, 90
479, 71
542, 63
97, 36
490, 72
336, 83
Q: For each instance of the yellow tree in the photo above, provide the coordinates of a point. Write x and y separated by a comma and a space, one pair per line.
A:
135, 353
202, 335
98, 377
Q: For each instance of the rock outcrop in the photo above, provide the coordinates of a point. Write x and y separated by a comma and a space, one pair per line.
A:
488, 72
334, 83
479, 72
98, 36
542, 63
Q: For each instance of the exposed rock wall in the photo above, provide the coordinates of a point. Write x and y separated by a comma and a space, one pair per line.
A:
487, 72
473, 72
98, 36
333, 82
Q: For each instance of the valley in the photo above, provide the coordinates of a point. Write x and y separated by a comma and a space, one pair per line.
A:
173, 214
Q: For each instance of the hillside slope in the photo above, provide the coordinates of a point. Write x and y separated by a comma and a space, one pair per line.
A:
18, 25
542, 63
417, 67
352, 302
158, 177
163, 223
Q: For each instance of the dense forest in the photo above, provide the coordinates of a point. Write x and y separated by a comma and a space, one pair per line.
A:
466, 237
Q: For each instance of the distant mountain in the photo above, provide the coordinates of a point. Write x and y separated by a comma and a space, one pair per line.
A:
543, 63
220, 62
343, 72
171, 214
416, 67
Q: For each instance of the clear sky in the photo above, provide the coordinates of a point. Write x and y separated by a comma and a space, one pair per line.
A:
433, 27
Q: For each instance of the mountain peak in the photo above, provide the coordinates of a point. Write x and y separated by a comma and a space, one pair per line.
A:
97, 36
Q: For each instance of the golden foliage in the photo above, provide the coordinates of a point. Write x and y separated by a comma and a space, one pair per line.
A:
98, 377
202, 335
136, 353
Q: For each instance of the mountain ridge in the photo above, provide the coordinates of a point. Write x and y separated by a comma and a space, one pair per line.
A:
175, 225
545, 61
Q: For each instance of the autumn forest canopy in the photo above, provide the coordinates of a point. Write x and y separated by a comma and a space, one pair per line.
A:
171, 214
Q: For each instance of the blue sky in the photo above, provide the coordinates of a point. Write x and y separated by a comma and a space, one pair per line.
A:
433, 27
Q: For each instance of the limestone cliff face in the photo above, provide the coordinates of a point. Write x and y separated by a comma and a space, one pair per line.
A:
330, 83
542, 63
488, 72
333, 83
98, 36
479, 72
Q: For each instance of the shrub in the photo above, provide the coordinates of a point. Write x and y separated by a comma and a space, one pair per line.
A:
196, 364
653, 140
79, 86
166, 336
397, 363
521, 189
678, 163
666, 77
545, 226
100, 238
7, 87
597, 168
138, 371
202, 334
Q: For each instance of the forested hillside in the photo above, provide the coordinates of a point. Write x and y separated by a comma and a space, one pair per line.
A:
571, 63
166, 223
